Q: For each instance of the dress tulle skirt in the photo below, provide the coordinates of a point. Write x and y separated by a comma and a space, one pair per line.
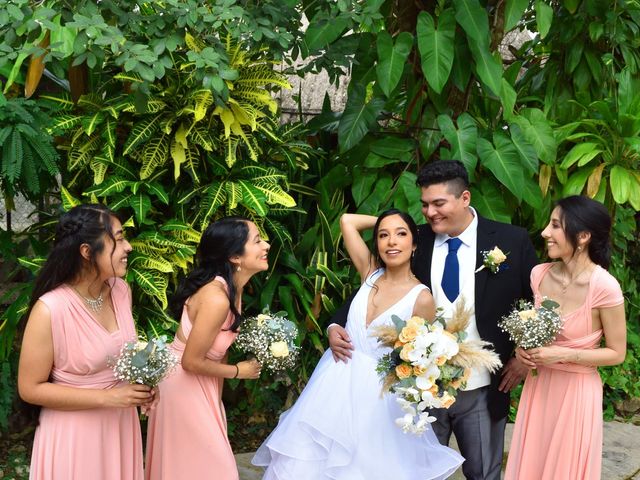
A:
342, 428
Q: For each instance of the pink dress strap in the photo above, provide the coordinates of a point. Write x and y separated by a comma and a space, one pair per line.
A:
222, 341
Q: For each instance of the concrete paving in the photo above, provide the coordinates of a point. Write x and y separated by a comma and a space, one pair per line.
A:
620, 457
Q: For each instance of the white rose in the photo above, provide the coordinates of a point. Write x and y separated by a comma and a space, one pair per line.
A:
496, 256
279, 349
527, 315
261, 318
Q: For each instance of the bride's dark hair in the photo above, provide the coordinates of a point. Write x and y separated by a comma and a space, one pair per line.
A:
582, 214
223, 239
407, 219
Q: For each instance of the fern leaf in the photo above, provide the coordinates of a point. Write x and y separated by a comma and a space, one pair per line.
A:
91, 101
147, 248
109, 132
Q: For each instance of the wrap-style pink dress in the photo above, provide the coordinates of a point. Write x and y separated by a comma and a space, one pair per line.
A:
187, 431
98, 443
558, 429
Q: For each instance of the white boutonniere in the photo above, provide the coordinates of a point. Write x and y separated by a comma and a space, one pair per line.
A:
492, 259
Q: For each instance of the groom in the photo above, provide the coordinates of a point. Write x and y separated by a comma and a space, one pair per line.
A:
448, 258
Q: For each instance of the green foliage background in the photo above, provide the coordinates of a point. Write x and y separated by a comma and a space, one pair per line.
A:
163, 110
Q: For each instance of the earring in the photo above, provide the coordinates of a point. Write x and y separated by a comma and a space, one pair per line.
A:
579, 249
238, 268
413, 252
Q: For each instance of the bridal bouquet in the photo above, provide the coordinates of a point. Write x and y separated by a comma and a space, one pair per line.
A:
530, 327
270, 337
146, 363
429, 363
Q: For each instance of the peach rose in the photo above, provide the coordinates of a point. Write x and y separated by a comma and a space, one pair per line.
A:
415, 321
407, 334
406, 350
441, 360
398, 344
418, 370
403, 371
447, 400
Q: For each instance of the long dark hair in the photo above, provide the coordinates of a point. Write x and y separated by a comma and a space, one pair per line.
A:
413, 228
88, 223
221, 240
582, 214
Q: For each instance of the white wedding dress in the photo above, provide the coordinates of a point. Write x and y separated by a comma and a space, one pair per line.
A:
342, 428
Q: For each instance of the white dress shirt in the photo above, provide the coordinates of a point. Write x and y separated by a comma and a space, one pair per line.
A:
479, 377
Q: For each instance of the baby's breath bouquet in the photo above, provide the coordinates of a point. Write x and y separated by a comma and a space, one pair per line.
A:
270, 337
146, 363
531, 327
429, 363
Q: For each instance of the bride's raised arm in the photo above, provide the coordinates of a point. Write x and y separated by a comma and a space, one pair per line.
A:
351, 224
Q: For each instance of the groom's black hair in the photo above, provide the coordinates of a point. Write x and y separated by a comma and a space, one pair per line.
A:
451, 172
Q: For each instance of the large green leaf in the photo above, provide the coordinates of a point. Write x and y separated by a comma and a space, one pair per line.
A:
357, 119
141, 132
392, 59
537, 131
576, 182
487, 198
154, 155
513, 13
323, 31
393, 147
544, 17
620, 182
140, 204
462, 139
488, 67
525, 149
582, 153
508, 97
362, 185
473, 19
114, 184
253, 198
436, 46
504, 162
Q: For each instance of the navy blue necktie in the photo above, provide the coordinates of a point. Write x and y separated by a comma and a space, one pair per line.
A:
451, 273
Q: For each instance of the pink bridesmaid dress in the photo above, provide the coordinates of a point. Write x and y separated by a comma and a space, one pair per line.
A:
558, 429
187, 431
98, 443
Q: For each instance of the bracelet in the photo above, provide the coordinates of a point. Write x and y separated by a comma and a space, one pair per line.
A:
237, 371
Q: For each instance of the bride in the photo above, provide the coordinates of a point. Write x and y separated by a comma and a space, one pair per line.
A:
341, 427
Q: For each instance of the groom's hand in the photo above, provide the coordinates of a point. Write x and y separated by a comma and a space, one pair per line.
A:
340, 343
512, 374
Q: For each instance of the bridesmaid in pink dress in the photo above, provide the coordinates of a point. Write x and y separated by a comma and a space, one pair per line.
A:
558, 430
80, 315
187, 432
